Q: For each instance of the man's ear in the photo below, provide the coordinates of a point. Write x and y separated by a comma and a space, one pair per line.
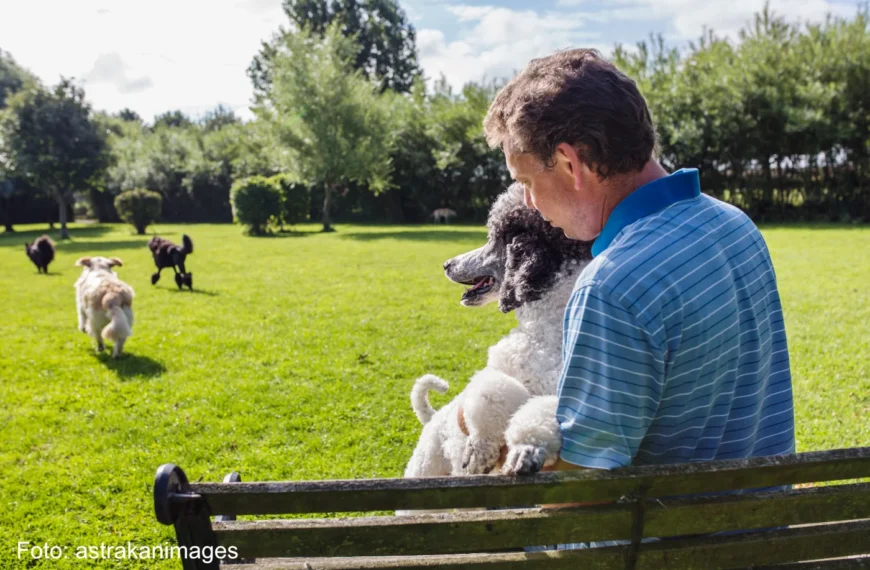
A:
113, 261
573, 163
83, 262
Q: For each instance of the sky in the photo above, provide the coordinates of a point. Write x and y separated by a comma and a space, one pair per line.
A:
192, 55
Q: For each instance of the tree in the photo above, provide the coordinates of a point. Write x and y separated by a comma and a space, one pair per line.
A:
13, 77
256, 203
172, 119
387, 41
295, 199
50, 139
139, 207
219, 118
332, 120
129, 115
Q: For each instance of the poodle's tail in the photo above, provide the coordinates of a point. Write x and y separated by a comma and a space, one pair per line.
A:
188, 244
121, 324
420, 396
46, 247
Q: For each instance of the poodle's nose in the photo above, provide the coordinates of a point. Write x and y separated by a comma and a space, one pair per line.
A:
447, 264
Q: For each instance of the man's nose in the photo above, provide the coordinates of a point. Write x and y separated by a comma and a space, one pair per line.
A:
527, 198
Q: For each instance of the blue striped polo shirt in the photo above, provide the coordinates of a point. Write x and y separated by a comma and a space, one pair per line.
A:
674, 342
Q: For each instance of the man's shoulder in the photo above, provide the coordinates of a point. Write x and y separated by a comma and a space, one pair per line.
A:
656, 251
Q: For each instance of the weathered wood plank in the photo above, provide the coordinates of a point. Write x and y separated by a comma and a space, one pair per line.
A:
544, 488
709, 553
493, 530
851, 563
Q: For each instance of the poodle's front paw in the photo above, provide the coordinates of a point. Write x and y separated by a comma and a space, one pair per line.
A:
155, 277
480, 456
524, 459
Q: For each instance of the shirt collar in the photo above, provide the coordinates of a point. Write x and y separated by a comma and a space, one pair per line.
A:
650, 198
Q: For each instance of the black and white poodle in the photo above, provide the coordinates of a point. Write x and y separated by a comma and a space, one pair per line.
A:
40, 252
167, 254
529, 267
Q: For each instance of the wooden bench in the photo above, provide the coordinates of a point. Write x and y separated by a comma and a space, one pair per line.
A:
828, 526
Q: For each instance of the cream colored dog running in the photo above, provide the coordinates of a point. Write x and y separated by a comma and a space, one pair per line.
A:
104, 303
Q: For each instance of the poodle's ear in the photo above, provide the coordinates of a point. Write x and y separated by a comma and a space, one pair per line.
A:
113, 261
83, 262
530, 269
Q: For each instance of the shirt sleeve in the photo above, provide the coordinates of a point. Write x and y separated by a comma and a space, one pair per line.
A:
611, 381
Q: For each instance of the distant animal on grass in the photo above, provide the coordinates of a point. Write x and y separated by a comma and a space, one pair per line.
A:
40, 252
167, 254
104, 303
443, 214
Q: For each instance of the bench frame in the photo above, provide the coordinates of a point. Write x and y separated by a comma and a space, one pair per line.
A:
640, 502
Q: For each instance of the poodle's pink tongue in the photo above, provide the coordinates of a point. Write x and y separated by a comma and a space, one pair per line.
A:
482, 283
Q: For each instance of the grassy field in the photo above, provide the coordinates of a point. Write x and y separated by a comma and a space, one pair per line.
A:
293, 359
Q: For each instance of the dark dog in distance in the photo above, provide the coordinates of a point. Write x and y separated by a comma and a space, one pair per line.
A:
40, 252
167, 254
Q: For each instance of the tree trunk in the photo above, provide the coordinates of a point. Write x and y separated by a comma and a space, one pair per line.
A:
7, 215
327, 195
64, 233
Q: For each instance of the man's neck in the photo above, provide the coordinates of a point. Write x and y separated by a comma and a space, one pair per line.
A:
624, 184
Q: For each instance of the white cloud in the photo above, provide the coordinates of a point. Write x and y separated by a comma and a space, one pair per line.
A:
193, 54
150, 56
110, 68
499, 42
726, 17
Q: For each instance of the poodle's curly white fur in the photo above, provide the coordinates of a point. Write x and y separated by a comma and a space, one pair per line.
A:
104, 303
526, 266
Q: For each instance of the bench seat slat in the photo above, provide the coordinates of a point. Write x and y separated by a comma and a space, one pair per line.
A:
491, 530
749, 550
546, 488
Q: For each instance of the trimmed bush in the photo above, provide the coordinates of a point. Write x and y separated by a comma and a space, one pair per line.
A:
256, 203
139, 207
295, 199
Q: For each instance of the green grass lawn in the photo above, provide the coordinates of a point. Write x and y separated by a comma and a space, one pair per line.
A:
293, 359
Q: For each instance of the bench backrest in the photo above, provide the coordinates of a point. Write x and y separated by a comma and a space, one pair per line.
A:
638, 502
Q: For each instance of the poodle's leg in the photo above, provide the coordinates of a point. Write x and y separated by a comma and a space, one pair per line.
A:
96, 322
491, 400
118, 347
179, 278
83, 316
533, 437
155, 277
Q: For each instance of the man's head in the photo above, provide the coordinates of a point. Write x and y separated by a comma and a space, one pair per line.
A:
572, 126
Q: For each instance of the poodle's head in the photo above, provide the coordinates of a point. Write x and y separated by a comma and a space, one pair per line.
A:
98, 263
155, 243
522, 259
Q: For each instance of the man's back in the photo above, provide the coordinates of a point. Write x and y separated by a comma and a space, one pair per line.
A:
680, 354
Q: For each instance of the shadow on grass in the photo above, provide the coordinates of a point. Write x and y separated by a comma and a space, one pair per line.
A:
195, 291
97, 247
130, 366
282, 234
16, 238
429, 235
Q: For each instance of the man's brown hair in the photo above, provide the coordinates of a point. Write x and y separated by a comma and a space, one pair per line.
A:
574, 97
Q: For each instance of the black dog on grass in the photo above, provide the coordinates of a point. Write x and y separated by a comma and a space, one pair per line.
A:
40, 252
167, 254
